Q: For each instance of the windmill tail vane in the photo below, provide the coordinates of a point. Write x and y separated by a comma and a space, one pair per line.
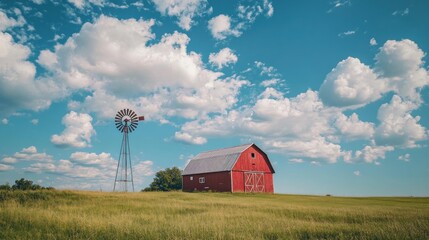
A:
126, 121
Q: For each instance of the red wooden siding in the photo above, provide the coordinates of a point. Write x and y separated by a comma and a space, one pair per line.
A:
258, 164
217, 181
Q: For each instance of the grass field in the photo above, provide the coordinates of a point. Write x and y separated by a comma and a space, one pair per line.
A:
177, 215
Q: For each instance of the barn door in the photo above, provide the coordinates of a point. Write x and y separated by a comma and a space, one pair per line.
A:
254, 182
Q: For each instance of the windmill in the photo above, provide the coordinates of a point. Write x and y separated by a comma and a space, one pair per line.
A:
126, 121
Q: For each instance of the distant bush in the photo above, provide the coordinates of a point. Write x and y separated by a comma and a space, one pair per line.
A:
169, 179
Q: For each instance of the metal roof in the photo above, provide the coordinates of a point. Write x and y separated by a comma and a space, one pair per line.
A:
215, 161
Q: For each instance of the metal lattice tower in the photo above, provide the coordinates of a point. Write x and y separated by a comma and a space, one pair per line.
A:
126, 121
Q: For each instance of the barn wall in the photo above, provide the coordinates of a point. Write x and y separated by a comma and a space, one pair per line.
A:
246, 163
269, 183
237, 181
218, 182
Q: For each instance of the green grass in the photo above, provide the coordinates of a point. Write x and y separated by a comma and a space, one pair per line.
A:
177, 215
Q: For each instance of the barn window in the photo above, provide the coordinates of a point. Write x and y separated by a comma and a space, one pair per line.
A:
253, 155
202, 179
191, 178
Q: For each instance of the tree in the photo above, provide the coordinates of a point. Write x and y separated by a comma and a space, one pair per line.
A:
23, 184
166, 180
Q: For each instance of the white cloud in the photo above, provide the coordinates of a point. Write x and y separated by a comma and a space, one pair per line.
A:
401, 62
397, 126
38, 2
249, 13
8, 23
184, 10
296, 160
265, 70
405, 157
356, 173
223, 58
188, 138
113, 60
86, 158
19, 88
370, 154
296, 127
347, 33
78, 131
4, 167
34, 121
77, 3
28, 154
372, 42
351, 84
352, 128
220, 27
4, 121
223, 26
270, 82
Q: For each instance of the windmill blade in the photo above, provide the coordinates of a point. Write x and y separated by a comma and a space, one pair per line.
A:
133, 114
119, 114
127, 112
122, 112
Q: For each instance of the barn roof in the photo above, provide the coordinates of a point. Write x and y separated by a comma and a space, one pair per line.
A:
215, 161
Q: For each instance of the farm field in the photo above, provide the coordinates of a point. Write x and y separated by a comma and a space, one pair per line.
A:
177, 215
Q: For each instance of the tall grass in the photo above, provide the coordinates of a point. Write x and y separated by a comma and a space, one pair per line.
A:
177, 215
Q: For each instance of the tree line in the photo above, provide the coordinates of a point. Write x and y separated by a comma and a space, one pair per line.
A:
24, 184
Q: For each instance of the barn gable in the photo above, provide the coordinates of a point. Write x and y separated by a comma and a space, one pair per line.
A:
219, 160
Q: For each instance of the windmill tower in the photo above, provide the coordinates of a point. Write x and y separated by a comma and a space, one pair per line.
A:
126, 121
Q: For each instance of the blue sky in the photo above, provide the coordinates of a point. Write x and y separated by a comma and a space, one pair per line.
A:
335, 92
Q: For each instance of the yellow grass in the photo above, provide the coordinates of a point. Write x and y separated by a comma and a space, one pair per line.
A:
177, 215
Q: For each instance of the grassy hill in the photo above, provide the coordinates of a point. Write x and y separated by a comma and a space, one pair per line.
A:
177, 215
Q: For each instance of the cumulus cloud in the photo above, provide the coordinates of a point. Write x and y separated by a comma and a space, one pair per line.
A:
4, 167
78, 131
397, 126
401, 63
398, 68
28, 154
113, 61
351, 84
352, 128
223, 58
9, 22
19, 87
184, 10
223, 26
220, 27
188, 138
5, 121
34, 121
372, 42
370, 154
296, 127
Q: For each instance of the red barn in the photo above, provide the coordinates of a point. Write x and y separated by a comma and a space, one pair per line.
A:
244, 168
